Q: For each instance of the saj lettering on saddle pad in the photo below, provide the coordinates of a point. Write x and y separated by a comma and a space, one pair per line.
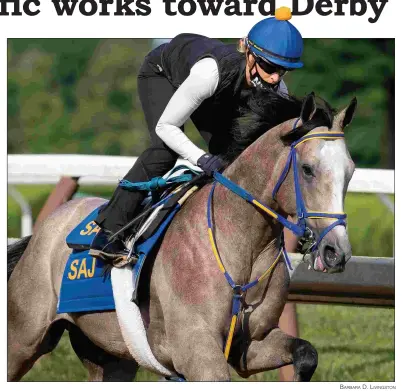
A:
79, 268
80, 238
84, 287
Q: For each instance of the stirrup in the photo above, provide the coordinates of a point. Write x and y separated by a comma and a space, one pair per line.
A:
117, 260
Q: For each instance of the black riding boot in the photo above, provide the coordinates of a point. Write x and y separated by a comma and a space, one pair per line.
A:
124, 204
120, 210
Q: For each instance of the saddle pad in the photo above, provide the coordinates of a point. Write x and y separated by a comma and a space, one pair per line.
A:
84, 288
81, 236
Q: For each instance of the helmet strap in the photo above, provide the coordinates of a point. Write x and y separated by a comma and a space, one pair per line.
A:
258, 82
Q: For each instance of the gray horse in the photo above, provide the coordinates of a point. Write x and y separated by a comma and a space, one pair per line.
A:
186, 305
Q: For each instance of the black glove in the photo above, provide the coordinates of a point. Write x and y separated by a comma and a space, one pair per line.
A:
210, 163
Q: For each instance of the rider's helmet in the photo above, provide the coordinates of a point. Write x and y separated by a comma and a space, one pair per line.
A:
276, 40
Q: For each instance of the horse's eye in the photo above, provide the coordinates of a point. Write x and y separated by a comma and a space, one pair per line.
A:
307, 170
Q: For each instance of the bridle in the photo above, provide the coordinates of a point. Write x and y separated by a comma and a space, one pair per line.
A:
308, 238
301, 229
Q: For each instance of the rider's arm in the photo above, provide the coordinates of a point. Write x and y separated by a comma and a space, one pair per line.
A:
199, 85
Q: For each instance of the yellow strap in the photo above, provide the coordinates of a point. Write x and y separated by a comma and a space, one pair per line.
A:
330, 132
258, 204
230, 336
213, 246
324, 217
266, 273
187, 195
315, 138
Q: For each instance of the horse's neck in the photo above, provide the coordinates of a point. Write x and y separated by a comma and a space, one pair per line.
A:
243, 232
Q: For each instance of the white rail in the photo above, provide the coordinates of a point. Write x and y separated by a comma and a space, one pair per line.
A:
26, 212
107, 170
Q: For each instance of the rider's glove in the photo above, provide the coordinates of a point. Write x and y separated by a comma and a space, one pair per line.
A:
210, 163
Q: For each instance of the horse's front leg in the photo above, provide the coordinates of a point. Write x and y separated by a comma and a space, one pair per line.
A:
199, 357
276, 350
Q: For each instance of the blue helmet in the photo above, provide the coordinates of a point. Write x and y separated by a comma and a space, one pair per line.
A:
277, 40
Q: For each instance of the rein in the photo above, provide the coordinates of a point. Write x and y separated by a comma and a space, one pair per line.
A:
299, 229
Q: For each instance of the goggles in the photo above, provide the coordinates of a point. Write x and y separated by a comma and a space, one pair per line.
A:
269, 67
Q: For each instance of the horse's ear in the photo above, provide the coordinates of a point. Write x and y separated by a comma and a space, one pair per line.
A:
308, 110
308, 107
344, 118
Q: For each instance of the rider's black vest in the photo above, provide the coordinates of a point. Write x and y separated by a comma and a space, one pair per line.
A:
214, 117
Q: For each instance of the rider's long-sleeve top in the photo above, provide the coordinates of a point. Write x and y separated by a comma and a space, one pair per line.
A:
201, 84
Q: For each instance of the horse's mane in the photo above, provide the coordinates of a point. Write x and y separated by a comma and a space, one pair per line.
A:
261, 110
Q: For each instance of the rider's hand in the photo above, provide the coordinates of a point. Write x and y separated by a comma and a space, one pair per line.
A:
210, 163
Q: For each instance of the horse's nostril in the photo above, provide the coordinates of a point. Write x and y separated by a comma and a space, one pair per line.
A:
331, 257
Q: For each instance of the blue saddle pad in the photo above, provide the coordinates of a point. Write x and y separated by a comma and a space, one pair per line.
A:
84, 288
81, 236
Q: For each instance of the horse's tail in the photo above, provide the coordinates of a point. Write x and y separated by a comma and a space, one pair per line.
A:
14, 253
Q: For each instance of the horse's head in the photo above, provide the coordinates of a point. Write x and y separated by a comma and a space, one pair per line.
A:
323, 168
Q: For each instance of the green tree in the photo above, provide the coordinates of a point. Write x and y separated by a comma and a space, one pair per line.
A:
80, 95
339, 69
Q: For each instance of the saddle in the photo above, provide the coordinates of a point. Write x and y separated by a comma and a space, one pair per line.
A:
156, 208
85, 285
